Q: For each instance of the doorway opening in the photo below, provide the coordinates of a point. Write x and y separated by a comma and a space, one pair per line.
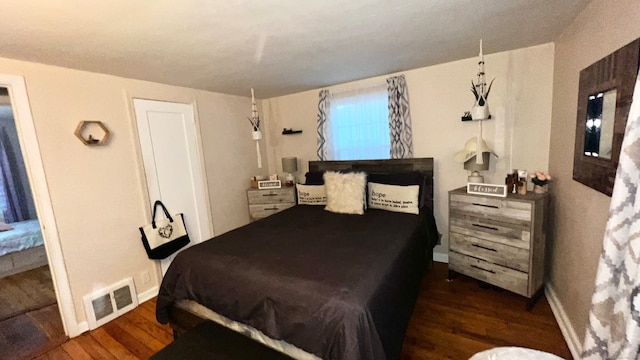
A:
28, 302
21, 241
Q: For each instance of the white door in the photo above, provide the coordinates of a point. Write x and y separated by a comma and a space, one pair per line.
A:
172, 164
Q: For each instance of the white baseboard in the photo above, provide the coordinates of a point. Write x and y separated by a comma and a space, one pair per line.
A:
562, 319
148, 295
83, 327
441, 258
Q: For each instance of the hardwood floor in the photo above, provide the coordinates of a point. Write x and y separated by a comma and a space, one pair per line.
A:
134, 335
452, 320
29, 318
30, 334
24, 292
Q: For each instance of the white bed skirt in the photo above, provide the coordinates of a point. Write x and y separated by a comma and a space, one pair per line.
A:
21, 261
249, 331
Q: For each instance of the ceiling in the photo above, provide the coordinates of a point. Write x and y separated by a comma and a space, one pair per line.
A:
277, 47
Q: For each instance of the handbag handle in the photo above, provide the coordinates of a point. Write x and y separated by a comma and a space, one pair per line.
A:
155, 208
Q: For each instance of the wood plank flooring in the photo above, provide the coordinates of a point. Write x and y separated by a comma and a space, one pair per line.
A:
29, 318
27, 291
30, 334
134, 335
452, 320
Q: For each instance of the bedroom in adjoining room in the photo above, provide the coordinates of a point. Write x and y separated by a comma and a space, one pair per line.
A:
26, 288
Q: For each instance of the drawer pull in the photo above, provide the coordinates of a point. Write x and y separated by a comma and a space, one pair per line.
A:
273, 208
485, 205
484, 247
486, 227
483, 269
270, 194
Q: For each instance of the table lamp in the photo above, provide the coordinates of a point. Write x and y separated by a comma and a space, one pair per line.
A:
472, 148
289, 166
474, 167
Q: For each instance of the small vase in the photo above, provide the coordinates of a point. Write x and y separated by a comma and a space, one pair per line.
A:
256, 135
540, 189
480, 112
522, 188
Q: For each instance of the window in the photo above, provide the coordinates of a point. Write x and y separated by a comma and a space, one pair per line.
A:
358, 126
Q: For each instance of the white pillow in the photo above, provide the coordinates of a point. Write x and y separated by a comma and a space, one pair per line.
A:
396, 198
311, 194
345, 192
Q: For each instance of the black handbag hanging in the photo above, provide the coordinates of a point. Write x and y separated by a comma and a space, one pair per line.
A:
164, 237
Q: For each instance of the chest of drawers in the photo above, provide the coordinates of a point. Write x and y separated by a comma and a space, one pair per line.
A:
500, 241
263, 203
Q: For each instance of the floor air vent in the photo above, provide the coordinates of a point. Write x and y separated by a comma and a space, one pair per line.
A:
107, 304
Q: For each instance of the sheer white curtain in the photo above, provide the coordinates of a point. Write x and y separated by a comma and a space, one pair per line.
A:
359, 125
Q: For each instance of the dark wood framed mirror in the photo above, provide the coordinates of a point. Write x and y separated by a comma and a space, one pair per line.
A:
604, 98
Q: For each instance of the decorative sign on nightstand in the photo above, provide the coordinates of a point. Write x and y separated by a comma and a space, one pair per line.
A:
487, 189
269, 184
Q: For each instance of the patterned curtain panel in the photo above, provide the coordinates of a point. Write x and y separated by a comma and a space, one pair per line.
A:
614, 319
399, 118
323, 118
13, 192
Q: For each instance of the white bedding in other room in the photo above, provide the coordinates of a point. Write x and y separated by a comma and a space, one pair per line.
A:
24, 235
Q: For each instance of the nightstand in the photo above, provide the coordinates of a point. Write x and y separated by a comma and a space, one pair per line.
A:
500, 241
263, 203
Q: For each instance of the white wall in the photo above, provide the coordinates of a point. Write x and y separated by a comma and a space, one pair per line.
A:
230, 157
579, 212
520, 102
99, 194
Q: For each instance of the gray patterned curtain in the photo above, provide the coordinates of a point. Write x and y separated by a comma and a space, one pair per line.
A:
323, 117
614, 319
17, 203
399, 118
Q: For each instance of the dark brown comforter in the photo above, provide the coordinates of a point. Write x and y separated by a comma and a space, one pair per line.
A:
338, 286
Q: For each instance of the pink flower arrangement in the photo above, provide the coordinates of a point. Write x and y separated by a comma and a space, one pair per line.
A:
540, 178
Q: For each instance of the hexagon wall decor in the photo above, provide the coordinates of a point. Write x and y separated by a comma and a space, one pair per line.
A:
84, 129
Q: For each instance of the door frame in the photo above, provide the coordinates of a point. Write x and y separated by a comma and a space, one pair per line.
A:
30, 147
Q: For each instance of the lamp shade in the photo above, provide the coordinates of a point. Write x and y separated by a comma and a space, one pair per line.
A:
471, 165
290, 164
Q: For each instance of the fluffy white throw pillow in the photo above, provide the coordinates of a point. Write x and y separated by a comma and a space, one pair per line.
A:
311, 194
345, 192
396, 198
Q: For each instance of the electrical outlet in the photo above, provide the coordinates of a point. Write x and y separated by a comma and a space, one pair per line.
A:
146, 278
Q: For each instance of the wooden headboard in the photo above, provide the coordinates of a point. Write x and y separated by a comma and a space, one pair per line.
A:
423, 165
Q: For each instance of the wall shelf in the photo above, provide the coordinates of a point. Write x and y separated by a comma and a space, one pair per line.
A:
286, 131
86, 126
466, 117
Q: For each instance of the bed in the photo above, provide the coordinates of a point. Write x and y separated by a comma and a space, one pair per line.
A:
308, 282
21, 248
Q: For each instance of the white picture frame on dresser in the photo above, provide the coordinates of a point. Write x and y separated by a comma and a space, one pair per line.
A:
487, 189
269, 184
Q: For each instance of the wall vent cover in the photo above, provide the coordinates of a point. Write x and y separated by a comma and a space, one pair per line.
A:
102, 306
108, 303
